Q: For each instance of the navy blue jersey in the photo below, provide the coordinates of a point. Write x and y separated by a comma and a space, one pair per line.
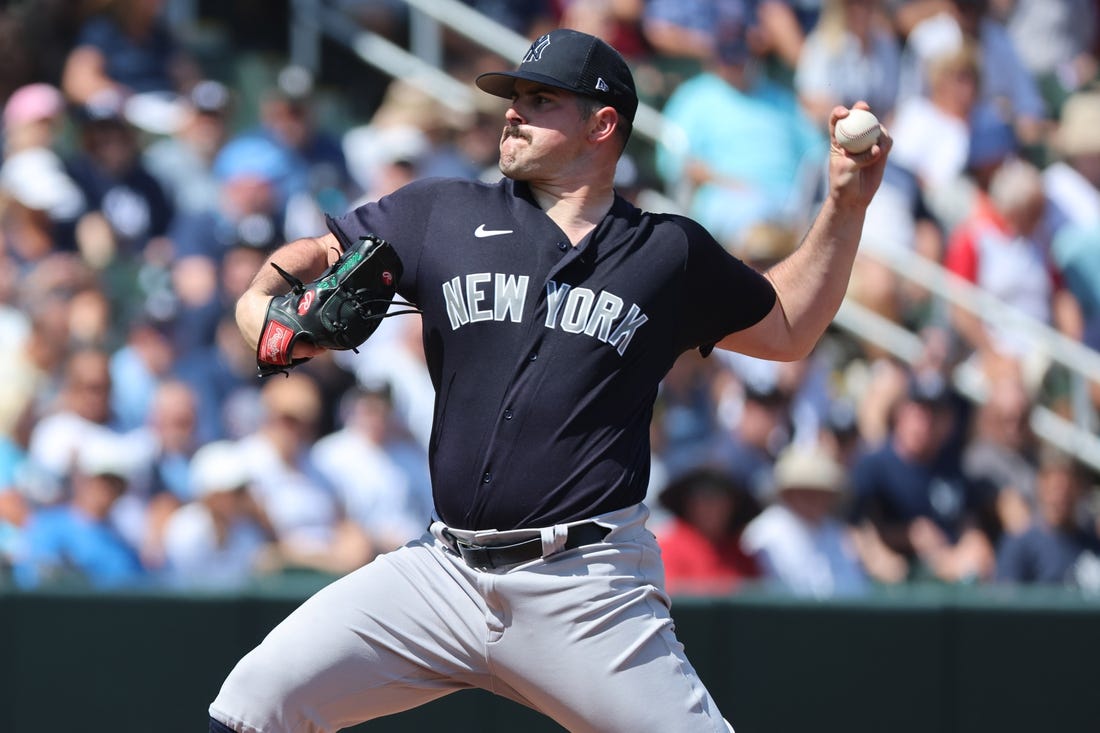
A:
546, 357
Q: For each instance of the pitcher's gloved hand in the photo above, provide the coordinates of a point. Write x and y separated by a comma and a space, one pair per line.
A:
339, 310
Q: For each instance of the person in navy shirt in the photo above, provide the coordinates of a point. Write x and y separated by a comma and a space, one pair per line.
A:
552, 308
912, 493
1058, 548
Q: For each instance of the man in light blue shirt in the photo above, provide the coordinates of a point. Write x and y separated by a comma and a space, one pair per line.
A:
742, 147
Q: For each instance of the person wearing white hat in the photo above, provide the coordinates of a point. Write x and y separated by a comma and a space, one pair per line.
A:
75, 542
799, 542
1072, 182
39, 201
217, 540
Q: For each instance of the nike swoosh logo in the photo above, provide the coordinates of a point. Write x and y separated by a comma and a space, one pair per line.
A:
481, 232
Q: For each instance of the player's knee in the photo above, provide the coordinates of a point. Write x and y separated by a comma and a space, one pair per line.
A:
216, 726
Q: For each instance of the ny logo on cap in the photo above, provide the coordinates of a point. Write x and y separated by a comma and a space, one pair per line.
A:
535, 52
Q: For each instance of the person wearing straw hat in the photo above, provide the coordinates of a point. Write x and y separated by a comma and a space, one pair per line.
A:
799, 541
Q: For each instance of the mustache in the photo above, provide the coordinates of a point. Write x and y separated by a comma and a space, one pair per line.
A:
515, 131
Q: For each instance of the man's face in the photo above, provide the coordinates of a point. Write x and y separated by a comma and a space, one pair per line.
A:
544, 134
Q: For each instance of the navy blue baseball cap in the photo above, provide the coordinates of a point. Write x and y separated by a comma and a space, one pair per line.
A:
573, 61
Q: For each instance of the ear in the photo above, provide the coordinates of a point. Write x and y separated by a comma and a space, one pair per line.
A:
602, 124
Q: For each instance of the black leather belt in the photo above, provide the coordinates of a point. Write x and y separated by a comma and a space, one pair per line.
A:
483, 557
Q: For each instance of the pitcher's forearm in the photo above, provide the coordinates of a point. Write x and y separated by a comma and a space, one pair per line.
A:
304, 258
811, 283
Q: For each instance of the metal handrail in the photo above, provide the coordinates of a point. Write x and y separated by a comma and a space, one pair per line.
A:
961, 292
1048, 425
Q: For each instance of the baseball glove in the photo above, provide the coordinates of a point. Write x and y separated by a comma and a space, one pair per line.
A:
339, 310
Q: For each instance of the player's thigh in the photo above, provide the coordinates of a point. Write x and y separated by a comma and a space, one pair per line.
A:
601, 655
630, 672
392, 635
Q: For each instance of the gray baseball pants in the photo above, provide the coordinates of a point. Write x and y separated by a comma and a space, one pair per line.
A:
583, 636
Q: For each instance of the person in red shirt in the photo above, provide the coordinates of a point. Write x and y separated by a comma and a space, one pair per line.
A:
701, 544
1000, 248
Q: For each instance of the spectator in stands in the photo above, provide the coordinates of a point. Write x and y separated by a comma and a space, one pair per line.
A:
851, 55
1056, 41
920, 186
740, 148
164, 443
217, 540
75, 542
1072, 185
999, 248
1003, 451
31, 369
933, 130
386, 158
317, 181
689, 30
223, 376
126, 47
799, 541
216, 249
39, 202
701, 545
805, 384
81, 415
992, 144
1072, 180
839, 435
32, 117
142, 361
1076, 253
183, 161
618, 22
394, 355
1058, 548
379, 471
412, 135
693, 30
311, 526
685, 420
530, 18
251, 174
1006, 85
107, 168
913, 503
759, 430
39, 206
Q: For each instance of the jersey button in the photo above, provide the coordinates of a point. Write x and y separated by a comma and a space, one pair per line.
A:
534, 356
508, 414
563, 246
486, 478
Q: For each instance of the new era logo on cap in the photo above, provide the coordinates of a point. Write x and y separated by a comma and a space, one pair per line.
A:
574, 61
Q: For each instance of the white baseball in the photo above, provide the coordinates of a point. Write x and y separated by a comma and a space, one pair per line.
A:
857, 132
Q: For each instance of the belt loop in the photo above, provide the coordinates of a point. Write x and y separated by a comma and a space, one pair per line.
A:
553, 539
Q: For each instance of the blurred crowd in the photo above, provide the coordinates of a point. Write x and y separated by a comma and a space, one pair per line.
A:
141, 189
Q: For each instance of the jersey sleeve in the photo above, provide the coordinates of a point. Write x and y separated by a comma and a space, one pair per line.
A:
721, 293
401, 218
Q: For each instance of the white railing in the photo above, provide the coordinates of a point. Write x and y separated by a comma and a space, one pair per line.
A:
420, 66
907, 347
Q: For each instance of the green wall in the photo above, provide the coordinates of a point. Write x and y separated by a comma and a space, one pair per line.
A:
928, 660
